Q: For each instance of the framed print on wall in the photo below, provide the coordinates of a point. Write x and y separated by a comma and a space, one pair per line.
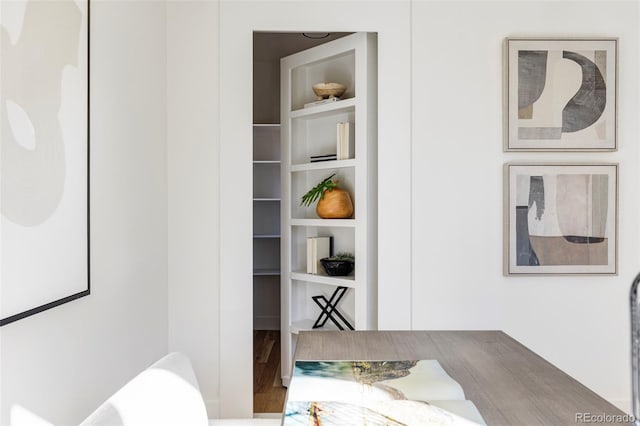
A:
561, 94
561, 218
44, 164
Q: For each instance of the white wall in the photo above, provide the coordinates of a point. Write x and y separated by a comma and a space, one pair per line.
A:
578, 323
193, 155
457, 72
61, 364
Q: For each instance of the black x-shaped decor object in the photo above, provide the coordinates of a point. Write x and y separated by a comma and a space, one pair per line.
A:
329, 308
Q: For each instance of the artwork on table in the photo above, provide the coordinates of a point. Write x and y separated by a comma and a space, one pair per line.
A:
561, 218
376, 392
561, 94
44, 168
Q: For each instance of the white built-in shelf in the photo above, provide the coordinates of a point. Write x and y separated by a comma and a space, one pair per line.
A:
266, 272
342, 223
306, 132
266, 219
325, 109
307, 325
323, 165
266, 199
266, 236
348, 281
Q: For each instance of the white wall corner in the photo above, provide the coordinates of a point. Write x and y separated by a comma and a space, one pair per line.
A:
213, 408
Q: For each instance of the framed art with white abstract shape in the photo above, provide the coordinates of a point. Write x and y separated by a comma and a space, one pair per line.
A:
561, 218
44, 167
561, 94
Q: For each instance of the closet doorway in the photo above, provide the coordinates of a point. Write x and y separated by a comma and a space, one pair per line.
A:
268, 48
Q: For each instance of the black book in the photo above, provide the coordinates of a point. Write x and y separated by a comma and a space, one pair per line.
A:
323, 156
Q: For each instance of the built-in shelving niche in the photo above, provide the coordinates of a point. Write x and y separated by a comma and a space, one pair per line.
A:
312, 131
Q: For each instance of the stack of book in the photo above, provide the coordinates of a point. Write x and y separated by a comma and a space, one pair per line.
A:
317, 248
324, 157
344, 148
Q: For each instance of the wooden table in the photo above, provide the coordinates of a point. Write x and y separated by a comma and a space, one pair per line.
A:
508, 383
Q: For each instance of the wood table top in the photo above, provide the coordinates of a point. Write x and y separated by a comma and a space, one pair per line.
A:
508, 383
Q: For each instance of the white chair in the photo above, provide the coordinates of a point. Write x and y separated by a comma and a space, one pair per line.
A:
165, 394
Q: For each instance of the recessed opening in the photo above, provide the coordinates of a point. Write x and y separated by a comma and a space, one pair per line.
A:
268, 48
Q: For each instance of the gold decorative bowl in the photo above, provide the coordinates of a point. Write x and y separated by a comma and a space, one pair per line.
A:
328, 90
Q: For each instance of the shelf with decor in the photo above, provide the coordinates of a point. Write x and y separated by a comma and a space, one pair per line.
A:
335, 143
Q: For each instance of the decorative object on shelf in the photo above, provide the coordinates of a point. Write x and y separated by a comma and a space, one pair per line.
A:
333, 203
328, 90
561, 94
329, 309
561, 218
339, 265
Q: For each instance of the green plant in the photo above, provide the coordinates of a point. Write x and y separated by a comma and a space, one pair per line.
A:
343, 256
318, 191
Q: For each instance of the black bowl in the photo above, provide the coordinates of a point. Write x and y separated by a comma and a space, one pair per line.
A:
337, 268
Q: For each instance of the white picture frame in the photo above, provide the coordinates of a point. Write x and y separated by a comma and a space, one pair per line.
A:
561, 218
561, 94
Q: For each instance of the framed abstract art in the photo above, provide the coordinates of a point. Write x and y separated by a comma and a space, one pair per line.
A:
561, 94
44, 168
561, 218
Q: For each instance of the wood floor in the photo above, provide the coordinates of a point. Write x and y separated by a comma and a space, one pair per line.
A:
268, 392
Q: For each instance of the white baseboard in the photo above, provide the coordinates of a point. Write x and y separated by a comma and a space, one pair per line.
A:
266, 322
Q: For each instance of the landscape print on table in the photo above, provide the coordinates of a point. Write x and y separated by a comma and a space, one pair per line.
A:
376, 393
562, 94
562, 219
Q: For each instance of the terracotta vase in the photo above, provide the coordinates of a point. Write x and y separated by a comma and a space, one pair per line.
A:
336, 204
